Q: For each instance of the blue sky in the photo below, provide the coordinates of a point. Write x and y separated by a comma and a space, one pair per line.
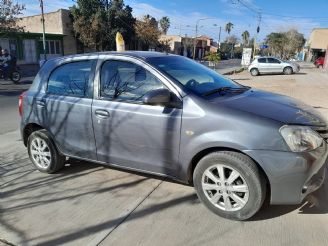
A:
277, 15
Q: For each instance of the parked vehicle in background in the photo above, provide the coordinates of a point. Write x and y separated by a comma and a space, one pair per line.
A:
168, 115
272, 65
319, 62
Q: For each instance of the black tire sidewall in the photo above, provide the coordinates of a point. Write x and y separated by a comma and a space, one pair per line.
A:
288, 69
15, 80
247, 168
57, 161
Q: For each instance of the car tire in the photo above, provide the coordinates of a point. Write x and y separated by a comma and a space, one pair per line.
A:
240, 199
254, 72
43, 152
15, 77
288, 70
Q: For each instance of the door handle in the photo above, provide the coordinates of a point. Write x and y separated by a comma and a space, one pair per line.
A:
40, 103
101, 113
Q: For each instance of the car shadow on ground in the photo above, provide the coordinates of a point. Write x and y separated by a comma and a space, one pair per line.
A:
281, 74
315, 203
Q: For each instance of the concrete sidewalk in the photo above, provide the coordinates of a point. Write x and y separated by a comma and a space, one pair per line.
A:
88, 204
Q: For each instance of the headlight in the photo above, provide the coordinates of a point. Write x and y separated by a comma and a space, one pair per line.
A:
301, 138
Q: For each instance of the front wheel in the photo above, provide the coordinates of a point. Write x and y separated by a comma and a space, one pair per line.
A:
43, 152
288, 70
230, 185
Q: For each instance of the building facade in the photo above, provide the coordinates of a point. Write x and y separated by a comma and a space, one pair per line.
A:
317, 44
185, 45
27, 46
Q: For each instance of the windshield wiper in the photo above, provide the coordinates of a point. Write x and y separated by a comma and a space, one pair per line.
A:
226, 89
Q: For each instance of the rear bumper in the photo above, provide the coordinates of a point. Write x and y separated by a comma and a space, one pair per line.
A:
292, 176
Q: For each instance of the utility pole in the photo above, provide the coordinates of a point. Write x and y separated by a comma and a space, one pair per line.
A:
219, 38
195, 40
259, 18
43, 31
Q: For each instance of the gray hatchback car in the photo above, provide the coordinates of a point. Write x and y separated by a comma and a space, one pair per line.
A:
170, 116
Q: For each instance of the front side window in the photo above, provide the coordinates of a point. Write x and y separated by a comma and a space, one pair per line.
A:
126, 81
273, 60
70, 79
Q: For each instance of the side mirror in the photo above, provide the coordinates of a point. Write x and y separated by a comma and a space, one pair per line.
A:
157, 97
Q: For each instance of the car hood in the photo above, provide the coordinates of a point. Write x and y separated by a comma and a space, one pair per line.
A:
273, 106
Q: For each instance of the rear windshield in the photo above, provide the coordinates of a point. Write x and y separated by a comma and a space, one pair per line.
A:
192, 75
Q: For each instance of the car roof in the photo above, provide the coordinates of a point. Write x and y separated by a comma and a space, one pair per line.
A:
268, 57
136, 54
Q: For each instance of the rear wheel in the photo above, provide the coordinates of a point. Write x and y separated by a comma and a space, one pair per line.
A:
254, 72
288, 70
230, 185
15, 77
43, 152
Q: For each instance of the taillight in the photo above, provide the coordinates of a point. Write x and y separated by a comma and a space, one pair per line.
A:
20, 103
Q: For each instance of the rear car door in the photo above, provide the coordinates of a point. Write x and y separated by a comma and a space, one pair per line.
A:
263, 65
129, 133
67, 107
274, 65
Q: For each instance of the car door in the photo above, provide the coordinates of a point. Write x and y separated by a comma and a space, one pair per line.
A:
263, 65
274, 65
127, 132
67, 107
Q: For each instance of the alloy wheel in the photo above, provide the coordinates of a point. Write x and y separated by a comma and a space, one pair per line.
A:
40, 153
225, 187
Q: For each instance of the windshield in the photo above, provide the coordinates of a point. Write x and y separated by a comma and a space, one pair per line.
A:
192, 75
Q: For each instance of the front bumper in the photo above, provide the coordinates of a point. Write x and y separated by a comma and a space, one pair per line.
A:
292, 176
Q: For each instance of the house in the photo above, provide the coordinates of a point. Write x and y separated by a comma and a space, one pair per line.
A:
184, 45
317, 44
27, 46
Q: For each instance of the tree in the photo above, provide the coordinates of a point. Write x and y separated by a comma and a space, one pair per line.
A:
228, 27
147, 31
9, 13
245, 36
212, 57
232, 40
96, 22
285, 44
164, 24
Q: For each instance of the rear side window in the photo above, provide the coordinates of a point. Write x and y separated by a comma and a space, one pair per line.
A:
70, 79
262, 60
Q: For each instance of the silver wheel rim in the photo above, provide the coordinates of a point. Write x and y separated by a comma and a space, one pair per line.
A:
254, 72
225, 187
40, 153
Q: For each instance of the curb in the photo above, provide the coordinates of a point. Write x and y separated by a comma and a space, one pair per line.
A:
235, 71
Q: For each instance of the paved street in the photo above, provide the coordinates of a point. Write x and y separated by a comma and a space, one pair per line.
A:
88, 204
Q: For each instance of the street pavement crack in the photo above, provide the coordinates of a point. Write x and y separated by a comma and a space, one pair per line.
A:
128, 215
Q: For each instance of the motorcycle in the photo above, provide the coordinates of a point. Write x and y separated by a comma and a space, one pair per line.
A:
13, 73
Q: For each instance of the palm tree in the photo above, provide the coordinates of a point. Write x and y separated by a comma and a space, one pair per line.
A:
164, 24
228, 27
245, 36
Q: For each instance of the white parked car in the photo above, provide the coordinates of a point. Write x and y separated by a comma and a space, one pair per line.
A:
272, 65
